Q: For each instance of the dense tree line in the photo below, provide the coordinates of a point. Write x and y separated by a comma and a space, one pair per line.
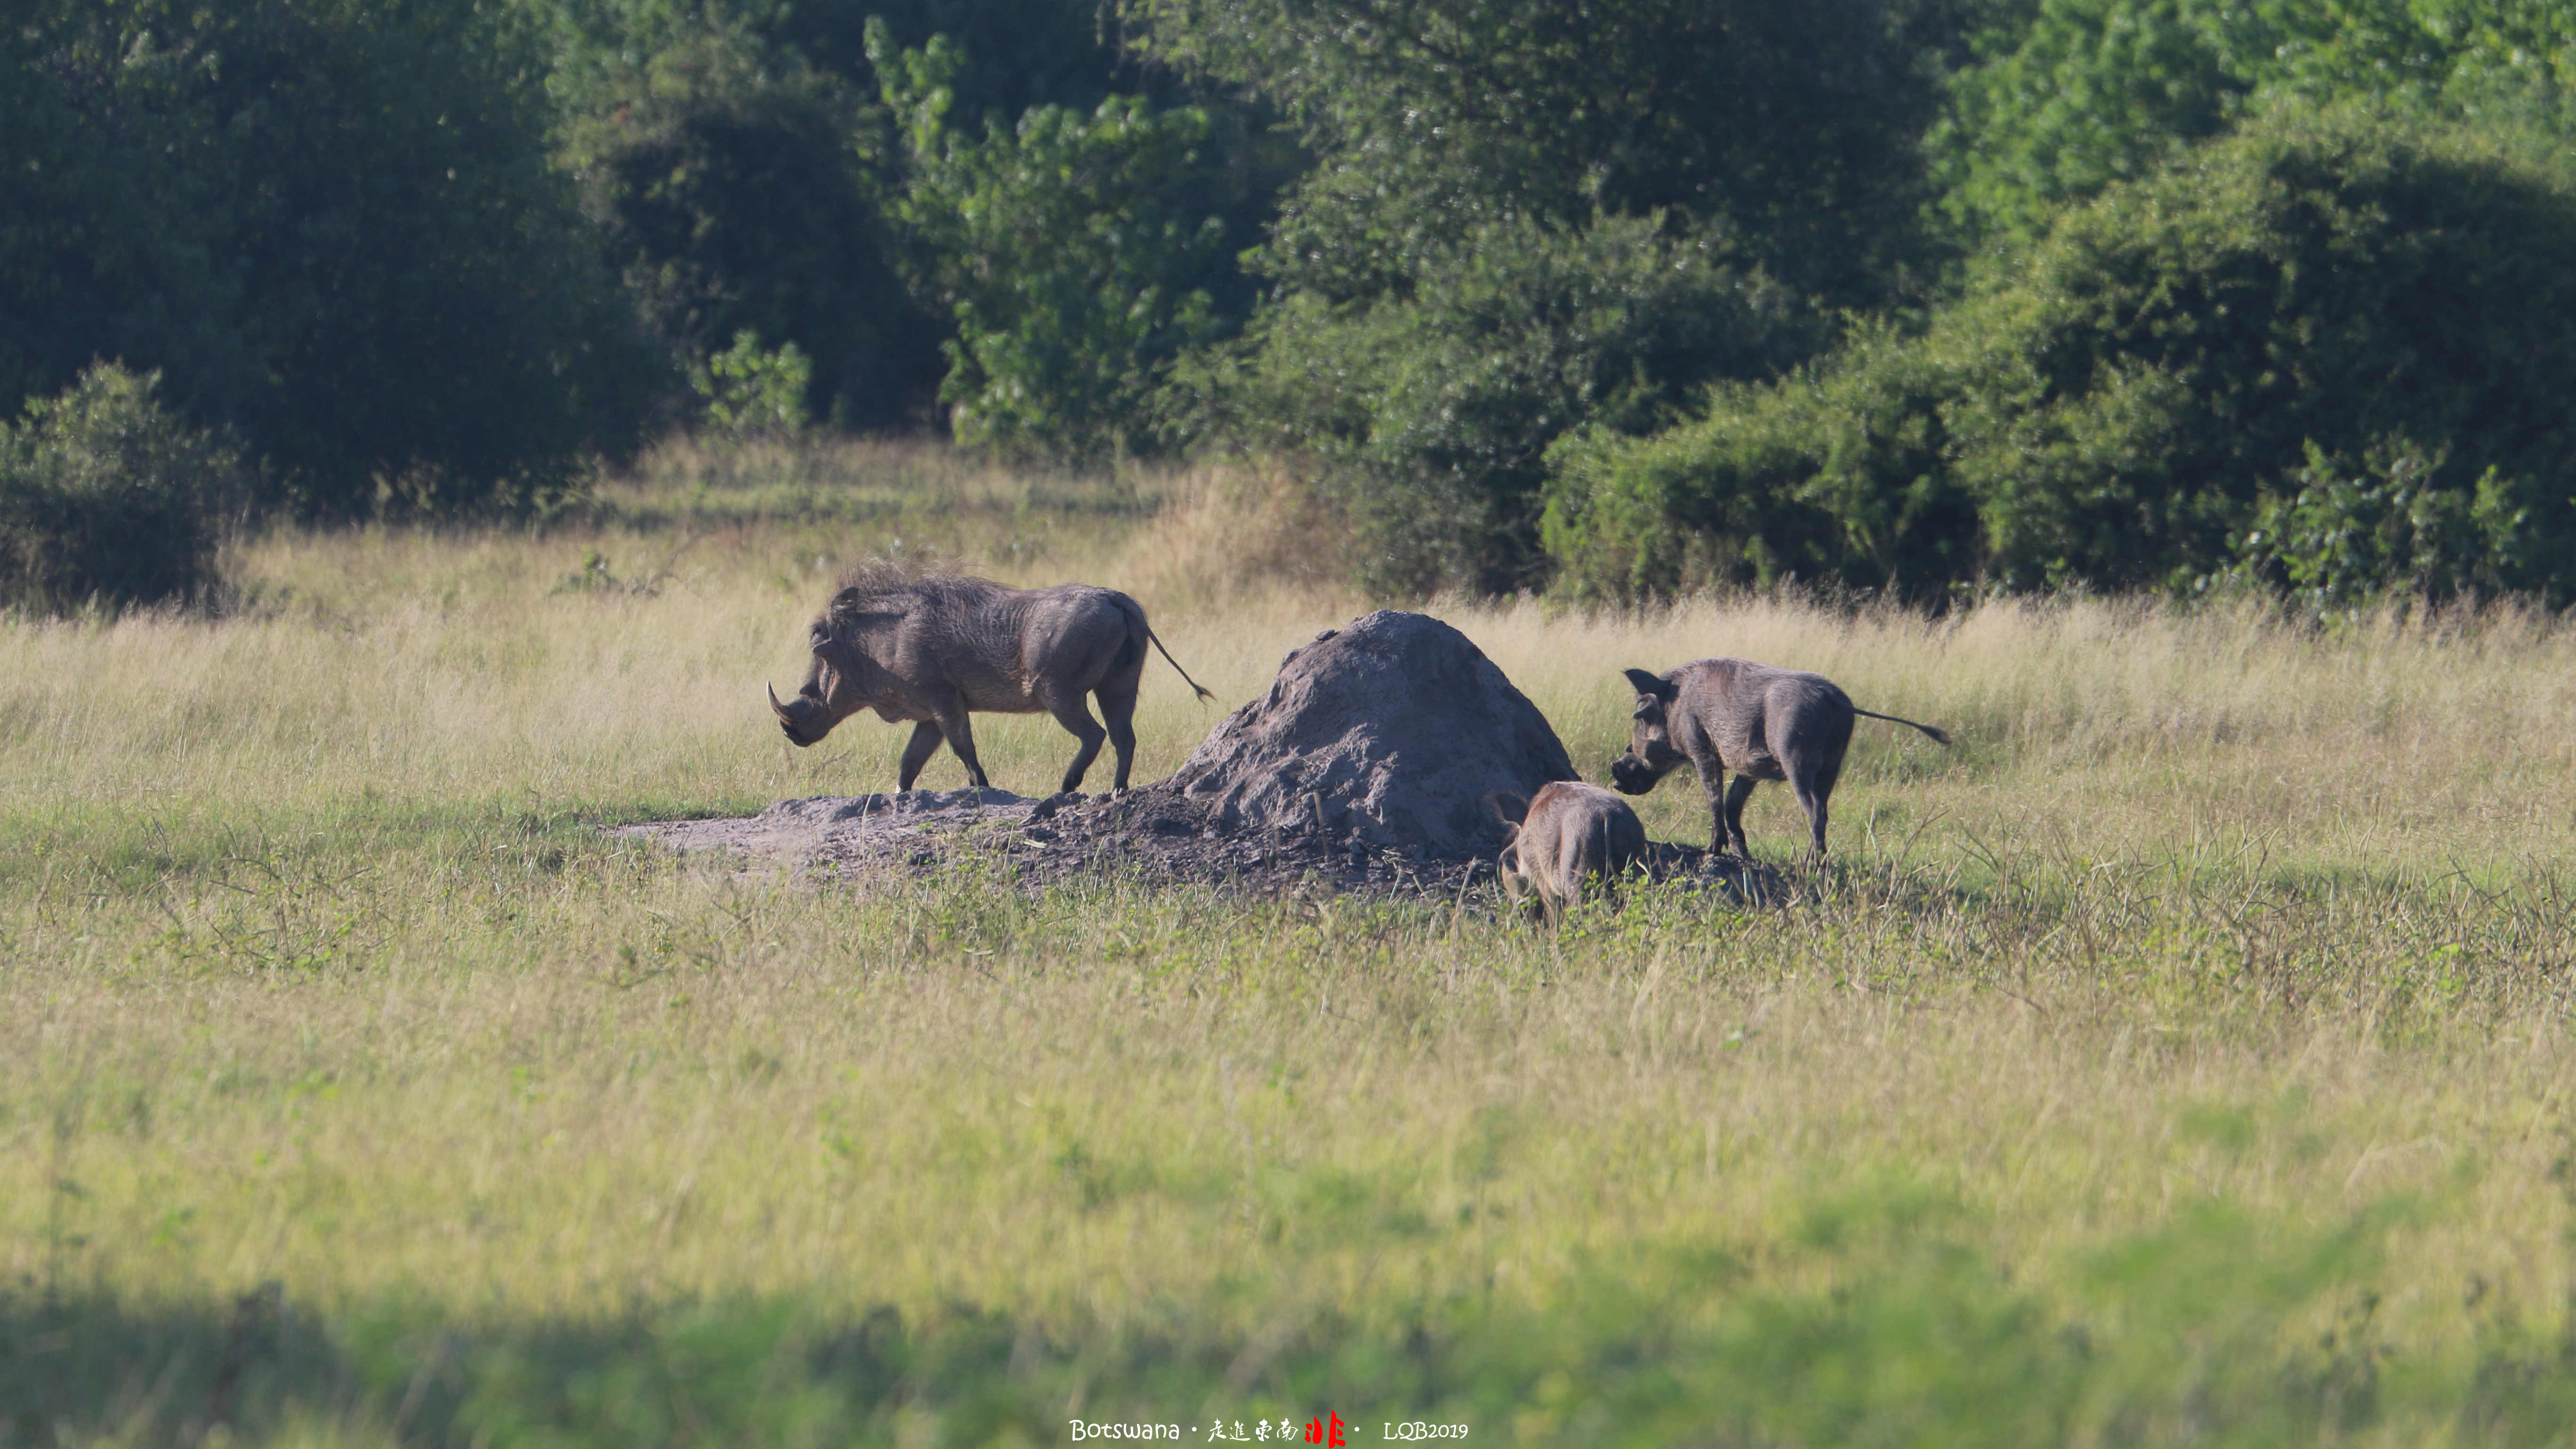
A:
1618, 298
2328, 354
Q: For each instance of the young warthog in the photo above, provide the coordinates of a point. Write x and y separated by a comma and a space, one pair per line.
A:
1562, 834
1762, 723
929, 650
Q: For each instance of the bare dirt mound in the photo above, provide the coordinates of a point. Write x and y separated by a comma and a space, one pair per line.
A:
1364, 767
1390, 732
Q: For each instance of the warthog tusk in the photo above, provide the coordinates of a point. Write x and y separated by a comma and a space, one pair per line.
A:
775, 705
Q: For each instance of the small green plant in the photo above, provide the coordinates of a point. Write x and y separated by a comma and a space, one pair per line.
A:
753, 392
107, 499
593, 577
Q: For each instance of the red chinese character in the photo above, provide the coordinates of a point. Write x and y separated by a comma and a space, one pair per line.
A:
1337, 1430
1315, 1432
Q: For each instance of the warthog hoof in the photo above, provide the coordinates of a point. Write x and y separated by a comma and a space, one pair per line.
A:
1047, 807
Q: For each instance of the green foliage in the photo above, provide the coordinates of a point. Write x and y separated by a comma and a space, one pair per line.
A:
1434, 412
744, 174
1524, 217
2349, 531
1844, 461
2067, 96
737, 188
752, 393
1013, 56
326, 223
106, 499
1072, 250
2133, 401
1793, 124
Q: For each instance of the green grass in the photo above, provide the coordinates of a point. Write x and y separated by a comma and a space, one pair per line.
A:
2182, 1059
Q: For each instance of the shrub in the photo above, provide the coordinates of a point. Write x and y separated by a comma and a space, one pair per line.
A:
2125, 403
1074, 251
2356, 528
2065, 96
737, 188
1793, 126
107, 499
328, 225
754, 393
1429, 414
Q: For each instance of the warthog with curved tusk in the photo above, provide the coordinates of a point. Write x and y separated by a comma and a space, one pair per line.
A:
930, 650
1762, 723
1565, 833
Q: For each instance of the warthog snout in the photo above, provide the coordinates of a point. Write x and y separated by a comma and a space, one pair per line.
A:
1651, 754
1632, 776
787, 719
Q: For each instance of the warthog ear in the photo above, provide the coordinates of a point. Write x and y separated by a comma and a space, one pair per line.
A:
1508, 808
1652, 685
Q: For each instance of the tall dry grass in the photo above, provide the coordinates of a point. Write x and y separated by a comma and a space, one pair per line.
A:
316, 970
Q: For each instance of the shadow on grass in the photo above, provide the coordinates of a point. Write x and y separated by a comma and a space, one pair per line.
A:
2205, 1331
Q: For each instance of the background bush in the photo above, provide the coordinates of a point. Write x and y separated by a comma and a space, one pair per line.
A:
737, 188
108, 500
2170, 390
2064, 97
1522, 218
329, 224
927, 219
1429, 418
1076, 255
439, 256
1793, 125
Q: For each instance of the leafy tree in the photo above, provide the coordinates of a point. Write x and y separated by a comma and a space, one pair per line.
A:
746, 176
2067, 96
752, 392
737, 189
1790, 122
1072, 251
327, 223
1526, 216
2326, 323
1433, 417
1011, 56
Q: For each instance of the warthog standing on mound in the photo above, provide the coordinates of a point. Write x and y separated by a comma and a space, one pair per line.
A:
1562, 834
1762, 723
930, 650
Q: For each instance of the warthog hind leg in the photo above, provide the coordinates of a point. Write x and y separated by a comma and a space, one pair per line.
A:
1815, 789
1118, 706
1075, 716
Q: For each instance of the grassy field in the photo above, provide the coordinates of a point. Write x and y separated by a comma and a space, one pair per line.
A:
2182, 1058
